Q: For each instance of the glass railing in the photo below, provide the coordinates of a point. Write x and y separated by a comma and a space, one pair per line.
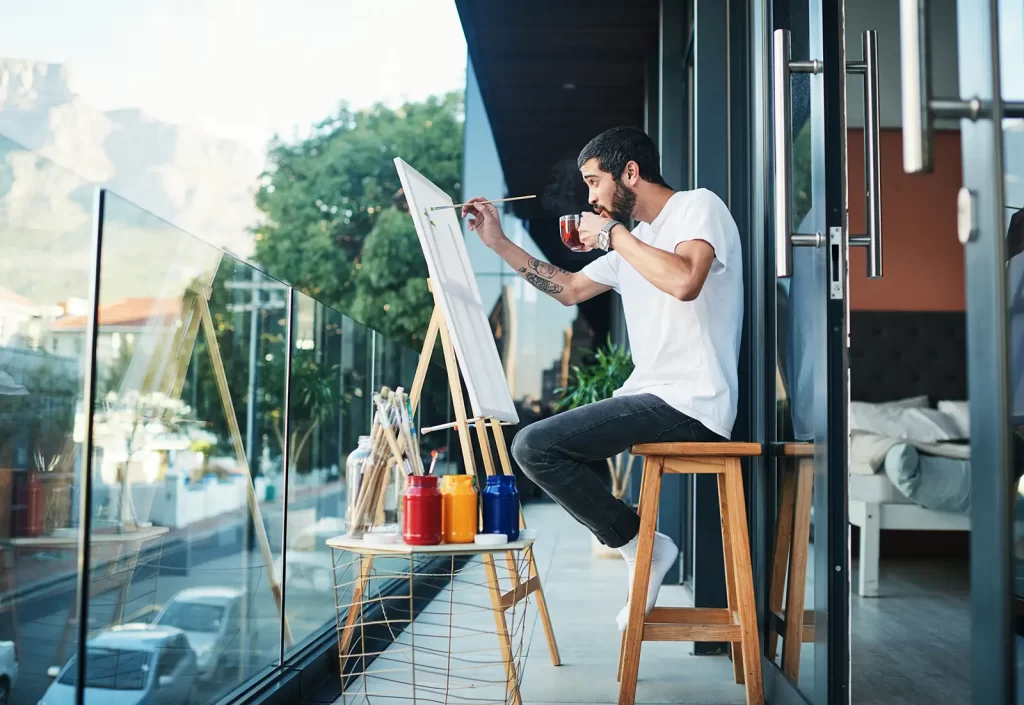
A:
206, 556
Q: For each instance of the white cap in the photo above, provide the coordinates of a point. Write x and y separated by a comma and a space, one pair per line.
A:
380, 538
491, 539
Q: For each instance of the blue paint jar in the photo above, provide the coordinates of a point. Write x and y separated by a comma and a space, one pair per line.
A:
501, 506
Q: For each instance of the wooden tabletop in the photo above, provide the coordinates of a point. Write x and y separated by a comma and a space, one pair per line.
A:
147, 533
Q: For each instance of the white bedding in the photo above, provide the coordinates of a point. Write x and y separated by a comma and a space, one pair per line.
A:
900, 452
875, 489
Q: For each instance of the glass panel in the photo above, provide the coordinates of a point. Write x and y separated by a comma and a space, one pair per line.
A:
47, 243
1011, 50
317, 448
799, 371
177, 539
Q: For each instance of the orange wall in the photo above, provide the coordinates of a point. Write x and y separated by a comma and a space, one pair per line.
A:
922, 260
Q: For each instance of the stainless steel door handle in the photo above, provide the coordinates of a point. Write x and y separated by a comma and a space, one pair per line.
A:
785, 239
918, 108
872, 174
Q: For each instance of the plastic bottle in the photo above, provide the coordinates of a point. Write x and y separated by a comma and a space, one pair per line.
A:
459, 500
501, 506
421, 511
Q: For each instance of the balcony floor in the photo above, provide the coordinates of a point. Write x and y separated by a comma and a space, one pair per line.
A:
584, 594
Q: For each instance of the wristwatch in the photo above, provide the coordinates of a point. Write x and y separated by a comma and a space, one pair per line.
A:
604, 237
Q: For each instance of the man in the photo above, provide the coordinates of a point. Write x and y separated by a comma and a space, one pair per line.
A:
679, 273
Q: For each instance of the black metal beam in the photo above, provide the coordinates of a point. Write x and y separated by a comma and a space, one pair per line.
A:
671, 140
711, 171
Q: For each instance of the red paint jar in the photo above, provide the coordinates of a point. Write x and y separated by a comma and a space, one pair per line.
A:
421, 511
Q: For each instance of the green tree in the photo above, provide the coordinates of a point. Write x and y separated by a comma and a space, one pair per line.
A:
335, 220
391, 286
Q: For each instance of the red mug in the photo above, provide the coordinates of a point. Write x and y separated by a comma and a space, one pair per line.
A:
568, 226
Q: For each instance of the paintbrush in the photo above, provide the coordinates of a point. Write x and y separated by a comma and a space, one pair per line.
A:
496, 200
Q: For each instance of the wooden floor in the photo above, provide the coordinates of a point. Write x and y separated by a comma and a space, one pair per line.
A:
912, 646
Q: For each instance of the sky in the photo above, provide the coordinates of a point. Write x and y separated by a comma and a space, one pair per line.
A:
243, 69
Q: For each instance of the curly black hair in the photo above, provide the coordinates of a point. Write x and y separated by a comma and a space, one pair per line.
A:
616, 147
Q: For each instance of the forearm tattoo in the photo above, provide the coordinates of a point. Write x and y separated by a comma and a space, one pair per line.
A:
548, 287
548, 271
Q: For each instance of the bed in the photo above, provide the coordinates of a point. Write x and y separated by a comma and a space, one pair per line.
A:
909, 444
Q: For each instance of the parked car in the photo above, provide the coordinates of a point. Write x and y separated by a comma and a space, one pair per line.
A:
211, 618
131, 664
8, 670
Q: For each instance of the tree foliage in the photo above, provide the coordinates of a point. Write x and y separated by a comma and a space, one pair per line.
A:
335, 219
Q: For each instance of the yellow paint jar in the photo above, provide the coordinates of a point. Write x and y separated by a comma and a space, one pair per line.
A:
459, 513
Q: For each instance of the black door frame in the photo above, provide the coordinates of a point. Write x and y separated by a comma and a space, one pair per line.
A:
831, 535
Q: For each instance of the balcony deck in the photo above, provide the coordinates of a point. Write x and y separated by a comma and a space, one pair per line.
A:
584, 595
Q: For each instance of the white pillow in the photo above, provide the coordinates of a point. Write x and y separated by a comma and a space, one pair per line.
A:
960, 412
920, 400
906, 423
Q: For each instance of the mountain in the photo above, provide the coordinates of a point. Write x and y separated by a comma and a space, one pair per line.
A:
55, 147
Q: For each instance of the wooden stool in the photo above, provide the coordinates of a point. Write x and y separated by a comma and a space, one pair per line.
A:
737, 623
792, 538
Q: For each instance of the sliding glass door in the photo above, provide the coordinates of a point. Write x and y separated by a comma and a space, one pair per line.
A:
800, 53
990, 225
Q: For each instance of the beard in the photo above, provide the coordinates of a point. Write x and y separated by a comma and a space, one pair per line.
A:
623, 203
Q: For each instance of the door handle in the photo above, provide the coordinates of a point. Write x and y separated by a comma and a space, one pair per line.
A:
783, 68
918, 108
872, 172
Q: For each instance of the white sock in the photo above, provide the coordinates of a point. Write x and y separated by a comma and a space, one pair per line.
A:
664, 555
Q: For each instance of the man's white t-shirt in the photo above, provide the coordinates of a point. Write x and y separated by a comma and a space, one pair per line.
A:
684, 352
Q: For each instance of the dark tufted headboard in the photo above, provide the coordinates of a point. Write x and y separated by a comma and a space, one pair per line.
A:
898, 354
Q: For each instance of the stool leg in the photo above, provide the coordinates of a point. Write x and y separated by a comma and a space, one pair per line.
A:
650, 492
783, 539
730, 576
744, 582
622, 643
793, 640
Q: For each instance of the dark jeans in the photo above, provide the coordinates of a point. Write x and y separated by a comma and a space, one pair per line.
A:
554, 452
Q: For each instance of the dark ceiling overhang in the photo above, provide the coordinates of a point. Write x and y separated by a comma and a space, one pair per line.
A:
554, 74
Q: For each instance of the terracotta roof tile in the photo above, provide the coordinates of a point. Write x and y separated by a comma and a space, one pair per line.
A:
126, 312
9, 297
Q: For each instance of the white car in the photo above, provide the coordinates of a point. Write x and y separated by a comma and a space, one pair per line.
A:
211, 618
8, 670
131, 664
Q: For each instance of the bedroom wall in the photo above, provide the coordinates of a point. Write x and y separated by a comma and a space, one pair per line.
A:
923, 262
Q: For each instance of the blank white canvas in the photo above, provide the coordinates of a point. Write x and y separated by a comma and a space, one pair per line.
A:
455, 287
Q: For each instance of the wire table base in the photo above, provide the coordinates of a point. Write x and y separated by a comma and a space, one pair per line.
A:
431, 624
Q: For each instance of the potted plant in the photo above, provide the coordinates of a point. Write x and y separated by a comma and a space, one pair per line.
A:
608, 370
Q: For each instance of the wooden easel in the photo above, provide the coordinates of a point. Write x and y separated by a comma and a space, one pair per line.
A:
501, 602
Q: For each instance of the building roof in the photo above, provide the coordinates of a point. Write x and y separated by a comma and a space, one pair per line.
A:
9, 297
126, 313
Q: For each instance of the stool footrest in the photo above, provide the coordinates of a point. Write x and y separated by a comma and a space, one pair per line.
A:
691, 624
692, 632
689, 615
